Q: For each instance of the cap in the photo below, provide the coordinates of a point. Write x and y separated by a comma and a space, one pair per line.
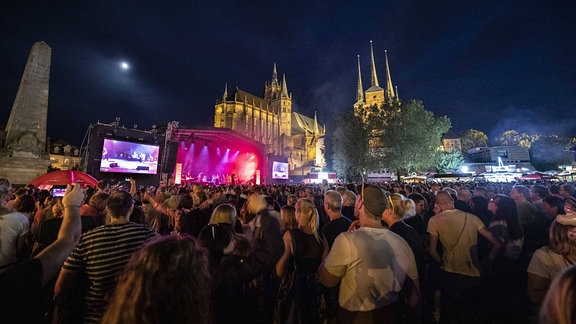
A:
374, 200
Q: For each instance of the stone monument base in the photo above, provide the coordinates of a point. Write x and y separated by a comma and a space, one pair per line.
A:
21, 171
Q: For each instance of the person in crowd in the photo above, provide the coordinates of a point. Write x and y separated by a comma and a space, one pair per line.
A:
101, 254
166, 281
26, 205
14, 228
349, 200
233, 297
531, 219
96, 207
103, 185
537, 193
333, 202
504, 278
338, 224
566, 191
526, 211
372, 266
560, 301
479, 207
420, 219
226, 213
21, 294
552, 206
291, 201
288, 218
457, 232
272, 205
266, 229
547, 262
398, 208
302, 250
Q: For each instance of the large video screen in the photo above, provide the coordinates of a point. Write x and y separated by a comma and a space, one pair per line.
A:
129, 157
279, 170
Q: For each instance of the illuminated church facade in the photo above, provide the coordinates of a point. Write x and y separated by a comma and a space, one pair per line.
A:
271, 121
370, 101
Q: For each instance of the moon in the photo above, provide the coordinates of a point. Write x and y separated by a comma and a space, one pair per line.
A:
124, 66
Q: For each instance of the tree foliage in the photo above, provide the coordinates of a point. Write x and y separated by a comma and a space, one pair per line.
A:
473, 138
410, 138
346, 147
513, 138
449, 161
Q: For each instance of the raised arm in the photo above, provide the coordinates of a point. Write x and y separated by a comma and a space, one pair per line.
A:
53, 256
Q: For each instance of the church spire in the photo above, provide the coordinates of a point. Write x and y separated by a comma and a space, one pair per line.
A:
284, 86
359, 91
225, 92
389, 88
274, 76
374, 76
316, 130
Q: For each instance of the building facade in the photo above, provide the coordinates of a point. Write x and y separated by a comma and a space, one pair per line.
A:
64, 156
271, 121
369, 101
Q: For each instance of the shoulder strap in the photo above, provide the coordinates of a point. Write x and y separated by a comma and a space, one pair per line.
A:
461, 232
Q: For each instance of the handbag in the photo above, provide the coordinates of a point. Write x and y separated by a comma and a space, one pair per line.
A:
285, 305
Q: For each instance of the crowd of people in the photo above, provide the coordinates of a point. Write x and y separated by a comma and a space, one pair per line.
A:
347, 253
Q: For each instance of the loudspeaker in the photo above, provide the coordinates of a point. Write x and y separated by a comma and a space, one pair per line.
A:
140, 168
114, 165
170, 157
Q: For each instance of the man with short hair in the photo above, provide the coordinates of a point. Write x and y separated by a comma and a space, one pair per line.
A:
372, 265
527, 213
338, 224
457, 232
537, 193
102, 254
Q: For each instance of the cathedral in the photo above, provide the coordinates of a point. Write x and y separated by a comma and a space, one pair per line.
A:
271, 121
375, 96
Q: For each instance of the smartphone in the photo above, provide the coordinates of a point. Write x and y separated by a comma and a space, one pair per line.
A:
58, 191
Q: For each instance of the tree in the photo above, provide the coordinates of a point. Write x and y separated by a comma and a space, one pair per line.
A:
513, 138
411, 137
449, 161
346, 147
473, 138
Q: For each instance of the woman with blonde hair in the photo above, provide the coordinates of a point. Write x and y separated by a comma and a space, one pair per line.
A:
547, 262
288, 218
167, 281
400, 207
560, 301
224, 213
299, 302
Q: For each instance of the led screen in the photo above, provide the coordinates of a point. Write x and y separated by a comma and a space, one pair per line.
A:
279, 170
129, 157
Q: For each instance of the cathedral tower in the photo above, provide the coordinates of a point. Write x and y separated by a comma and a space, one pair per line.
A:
374, 95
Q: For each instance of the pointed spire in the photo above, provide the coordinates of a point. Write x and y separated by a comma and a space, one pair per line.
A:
397, 94
374, 76
316, 130
275, 75
225, 92
284, 86
389, 87
359, 91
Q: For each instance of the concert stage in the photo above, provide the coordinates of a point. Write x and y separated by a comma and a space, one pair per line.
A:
216, 156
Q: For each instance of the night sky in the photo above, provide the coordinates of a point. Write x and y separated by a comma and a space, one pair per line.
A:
488, 65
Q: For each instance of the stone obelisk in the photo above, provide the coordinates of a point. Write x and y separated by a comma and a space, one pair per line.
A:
23, 154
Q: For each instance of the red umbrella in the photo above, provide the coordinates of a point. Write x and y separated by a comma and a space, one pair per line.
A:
62, 178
